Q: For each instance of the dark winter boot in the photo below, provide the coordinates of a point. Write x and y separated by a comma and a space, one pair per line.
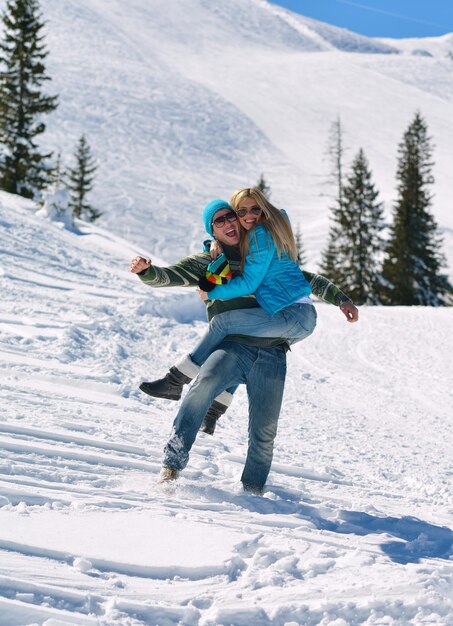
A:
210, 420
170, 386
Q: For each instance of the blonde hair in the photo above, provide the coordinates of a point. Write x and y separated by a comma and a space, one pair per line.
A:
272, 218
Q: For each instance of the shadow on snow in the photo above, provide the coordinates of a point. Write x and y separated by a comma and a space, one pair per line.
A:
413, 539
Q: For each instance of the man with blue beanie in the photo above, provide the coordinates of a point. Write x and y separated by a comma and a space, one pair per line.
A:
218, 271
257, 362
210, 210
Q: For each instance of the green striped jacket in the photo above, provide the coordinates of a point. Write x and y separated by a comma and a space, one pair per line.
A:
188, 271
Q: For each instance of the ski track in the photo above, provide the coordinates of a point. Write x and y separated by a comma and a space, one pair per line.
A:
354, 527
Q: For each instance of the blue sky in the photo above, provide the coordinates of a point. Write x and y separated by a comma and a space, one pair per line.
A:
380, 18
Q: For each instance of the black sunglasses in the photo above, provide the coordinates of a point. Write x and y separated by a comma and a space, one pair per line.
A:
228, 217
255, 210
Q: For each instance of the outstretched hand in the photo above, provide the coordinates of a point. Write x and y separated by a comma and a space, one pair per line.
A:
138, 264
350, 311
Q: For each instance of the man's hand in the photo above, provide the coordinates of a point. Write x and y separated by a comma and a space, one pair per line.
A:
203, 295
138, 264
350, 311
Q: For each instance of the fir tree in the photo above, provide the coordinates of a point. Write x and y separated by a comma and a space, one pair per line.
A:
330, 256
335, 151
351, 257
80, 182
411, 269
58, 173
23, 168
264, 187
301, 260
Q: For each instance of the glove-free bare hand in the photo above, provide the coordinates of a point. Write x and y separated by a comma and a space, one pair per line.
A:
350, 311
215, 249
203, 295
138, 264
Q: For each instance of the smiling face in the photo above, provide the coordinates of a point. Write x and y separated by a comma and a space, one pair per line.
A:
228, 232
249, 220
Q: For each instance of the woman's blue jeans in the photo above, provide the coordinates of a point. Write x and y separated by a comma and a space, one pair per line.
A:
292, 324
263, 371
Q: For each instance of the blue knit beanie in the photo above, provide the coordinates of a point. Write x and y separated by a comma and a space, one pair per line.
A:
210, 210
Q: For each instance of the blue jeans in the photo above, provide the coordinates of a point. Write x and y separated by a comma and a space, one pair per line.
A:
294, 323
263, 371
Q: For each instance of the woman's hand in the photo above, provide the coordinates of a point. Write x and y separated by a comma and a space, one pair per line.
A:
215, 249
138, 264
203, 295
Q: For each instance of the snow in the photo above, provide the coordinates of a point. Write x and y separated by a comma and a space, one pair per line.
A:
355, 524
187, 100
184, 101
90, 533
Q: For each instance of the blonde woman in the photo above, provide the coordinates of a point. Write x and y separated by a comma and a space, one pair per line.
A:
269, 271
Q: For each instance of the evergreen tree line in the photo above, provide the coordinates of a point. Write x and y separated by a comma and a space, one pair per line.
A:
405, 268
24, 168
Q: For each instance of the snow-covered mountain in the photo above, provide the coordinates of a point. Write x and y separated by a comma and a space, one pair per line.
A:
186, 100
355, 525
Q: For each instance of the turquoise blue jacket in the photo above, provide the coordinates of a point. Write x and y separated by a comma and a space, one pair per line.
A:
275, 282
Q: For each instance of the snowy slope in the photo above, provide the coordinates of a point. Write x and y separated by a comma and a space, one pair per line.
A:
185, 100
354, 528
